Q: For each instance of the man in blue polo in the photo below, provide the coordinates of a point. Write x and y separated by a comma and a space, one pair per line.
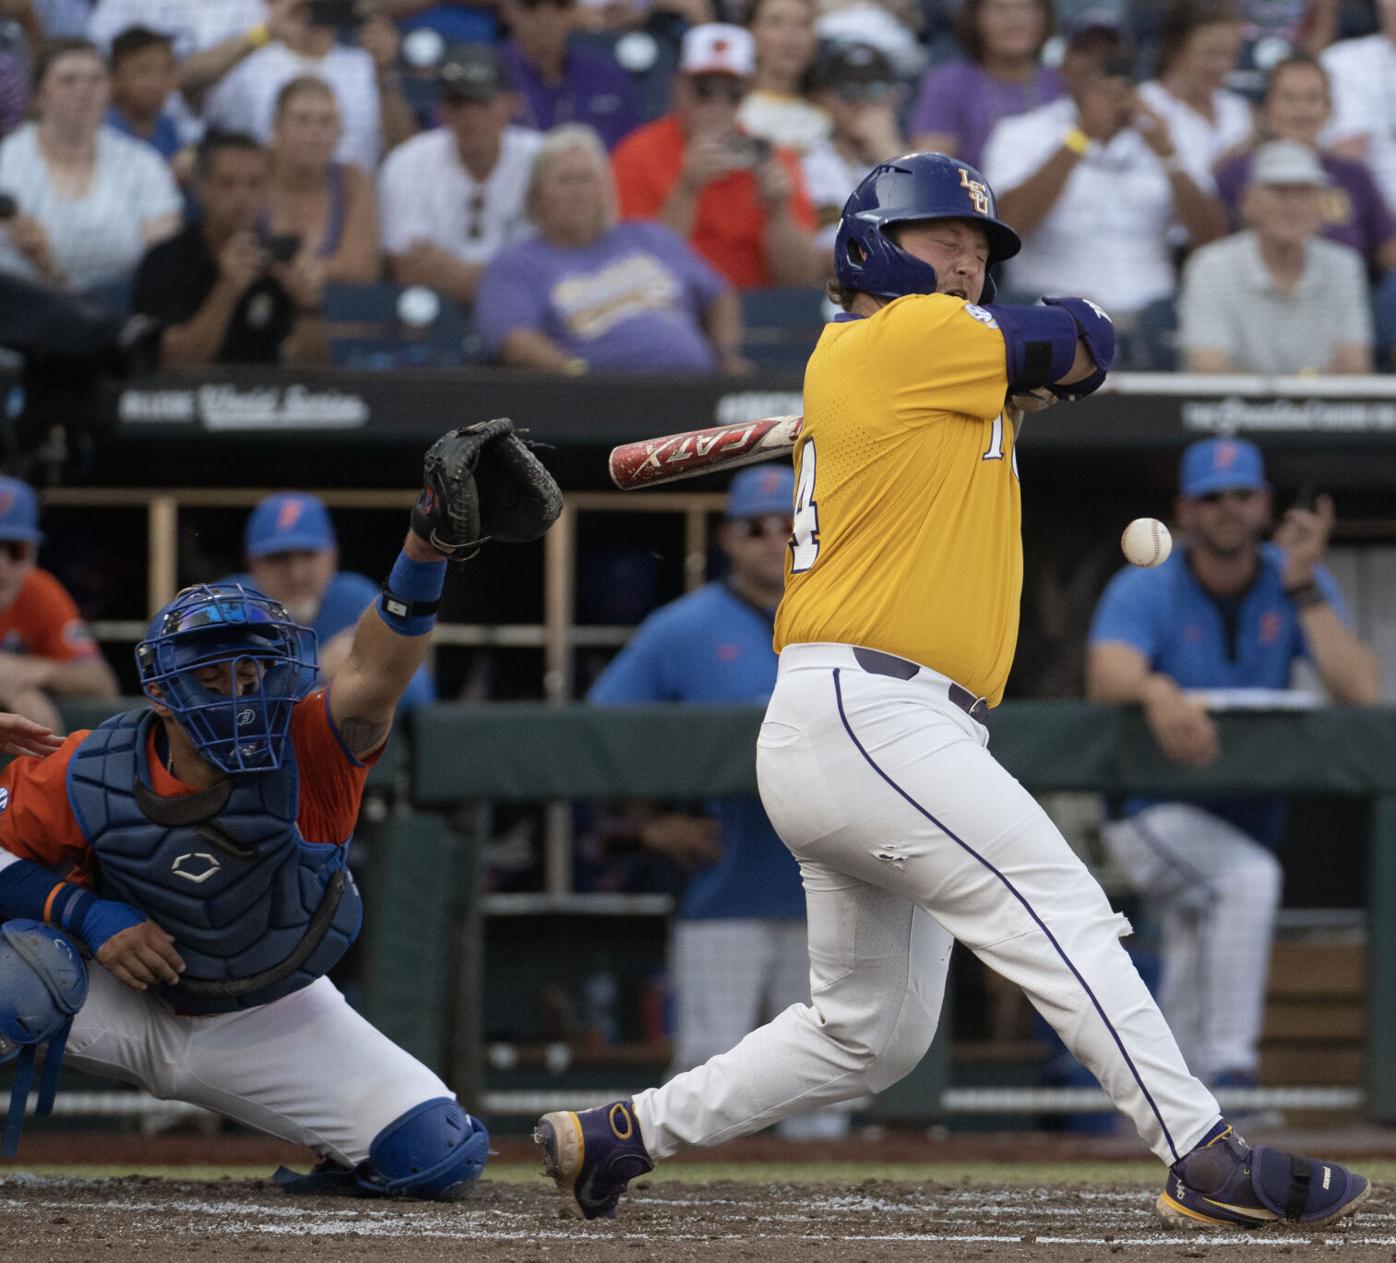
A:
1225, 611
292, 555
738, 949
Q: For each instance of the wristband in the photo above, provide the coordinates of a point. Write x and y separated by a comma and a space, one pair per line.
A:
104, 918
258, 35
1077, 141
412, 595
1306, 595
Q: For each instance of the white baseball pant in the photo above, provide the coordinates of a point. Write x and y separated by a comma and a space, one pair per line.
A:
909, 835
1216, 890
727, 974
306, 1068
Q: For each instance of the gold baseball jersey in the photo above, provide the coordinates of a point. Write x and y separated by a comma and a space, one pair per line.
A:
908, 532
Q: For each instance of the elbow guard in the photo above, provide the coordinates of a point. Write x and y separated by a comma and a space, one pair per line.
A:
1040, 344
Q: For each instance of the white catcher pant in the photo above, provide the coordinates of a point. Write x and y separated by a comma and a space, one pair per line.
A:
306, 1068
909, 835
1216, 890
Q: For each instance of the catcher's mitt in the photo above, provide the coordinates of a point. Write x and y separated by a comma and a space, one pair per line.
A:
481, 482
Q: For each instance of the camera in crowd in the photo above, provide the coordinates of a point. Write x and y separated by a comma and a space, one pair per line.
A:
341, 15
282, 247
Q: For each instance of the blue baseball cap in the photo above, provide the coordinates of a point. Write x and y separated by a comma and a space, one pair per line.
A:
760, 490
19, 511
290, 521
1221, 465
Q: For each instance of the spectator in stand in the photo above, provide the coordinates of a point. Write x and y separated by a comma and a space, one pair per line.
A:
1362, 72
224, 291
329, 205
737, 201
450, 198
210, 36
292, 555
1094, 183
144, 75
89, 199
776, 107
558, 82
1277, 29
854, 84
363, 74
1296, 106
589, 292
891, 26
1000, 74
1225, 611
1277, 298
45, 650
1198, 49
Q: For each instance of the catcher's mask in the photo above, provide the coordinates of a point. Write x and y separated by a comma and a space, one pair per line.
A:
238, 718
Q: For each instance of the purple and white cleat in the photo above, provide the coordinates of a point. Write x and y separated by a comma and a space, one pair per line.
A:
1225, 1183
592, 1155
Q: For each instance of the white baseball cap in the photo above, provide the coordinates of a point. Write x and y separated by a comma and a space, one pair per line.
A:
1287, 162
718, 48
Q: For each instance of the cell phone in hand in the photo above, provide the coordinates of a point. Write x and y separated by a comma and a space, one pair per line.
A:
749, 151
282, 246
342, 15
9, 208
1307, 497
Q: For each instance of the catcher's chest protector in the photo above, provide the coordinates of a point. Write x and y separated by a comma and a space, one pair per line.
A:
256, 911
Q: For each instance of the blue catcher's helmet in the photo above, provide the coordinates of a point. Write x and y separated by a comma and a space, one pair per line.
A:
214, 624
915, 186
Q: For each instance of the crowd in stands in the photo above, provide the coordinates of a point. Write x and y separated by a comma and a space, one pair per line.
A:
600, 183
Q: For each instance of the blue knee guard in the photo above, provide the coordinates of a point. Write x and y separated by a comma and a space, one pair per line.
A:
433, 1151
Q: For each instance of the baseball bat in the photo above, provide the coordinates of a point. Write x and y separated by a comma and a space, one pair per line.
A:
648, 462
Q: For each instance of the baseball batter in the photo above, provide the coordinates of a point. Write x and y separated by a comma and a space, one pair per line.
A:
896, 634
196, 849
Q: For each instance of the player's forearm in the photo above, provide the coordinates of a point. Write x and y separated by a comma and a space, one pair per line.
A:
1349, 669
1201, 214
91, 677
386, 651
1029, 204
790, 255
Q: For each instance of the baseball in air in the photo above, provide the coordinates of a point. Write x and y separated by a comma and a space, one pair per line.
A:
1146, 542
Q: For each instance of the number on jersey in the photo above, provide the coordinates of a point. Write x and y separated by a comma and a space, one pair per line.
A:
995, 451
804, 541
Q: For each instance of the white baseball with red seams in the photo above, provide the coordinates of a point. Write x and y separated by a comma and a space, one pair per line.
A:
1146, 542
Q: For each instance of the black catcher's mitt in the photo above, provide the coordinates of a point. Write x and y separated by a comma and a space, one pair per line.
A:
481, 482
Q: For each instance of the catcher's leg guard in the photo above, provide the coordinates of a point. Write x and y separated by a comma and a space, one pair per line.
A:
435, 1150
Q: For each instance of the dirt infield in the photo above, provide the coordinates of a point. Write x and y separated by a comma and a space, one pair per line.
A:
51, 1220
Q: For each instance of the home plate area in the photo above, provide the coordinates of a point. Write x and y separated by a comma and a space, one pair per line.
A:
74, 1220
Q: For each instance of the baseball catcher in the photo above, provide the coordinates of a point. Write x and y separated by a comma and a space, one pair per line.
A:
195, 849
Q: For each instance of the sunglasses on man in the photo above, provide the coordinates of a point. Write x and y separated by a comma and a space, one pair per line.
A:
1237, 495
765, 526
718, 88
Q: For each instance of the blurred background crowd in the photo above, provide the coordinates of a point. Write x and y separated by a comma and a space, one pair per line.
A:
567, 185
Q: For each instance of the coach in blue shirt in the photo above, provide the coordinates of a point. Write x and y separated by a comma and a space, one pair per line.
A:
738, 948
293, 556
1225, 611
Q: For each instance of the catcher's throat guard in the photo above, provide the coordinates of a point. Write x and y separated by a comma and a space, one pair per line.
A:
239, 718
